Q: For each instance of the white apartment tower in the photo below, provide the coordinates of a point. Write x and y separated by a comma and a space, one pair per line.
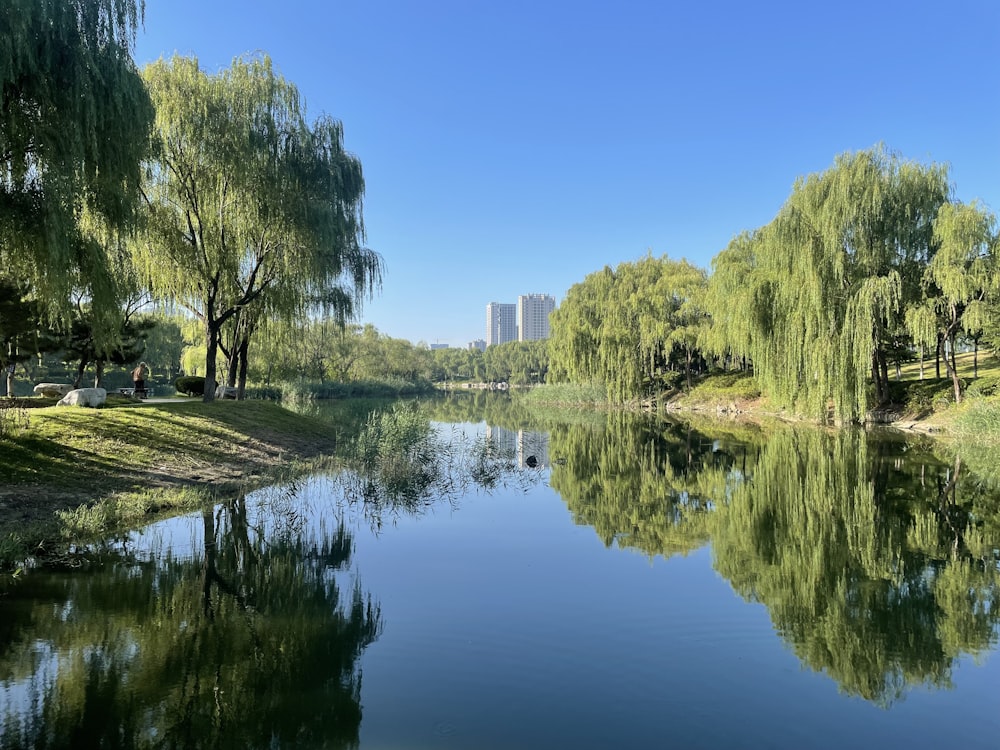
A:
533, 312
501, 323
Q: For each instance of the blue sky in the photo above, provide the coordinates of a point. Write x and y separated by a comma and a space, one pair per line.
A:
515, 147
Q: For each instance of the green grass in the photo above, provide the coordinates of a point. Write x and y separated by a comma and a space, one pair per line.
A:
70, 447
74, 471
989, 367
723, 388
568, 393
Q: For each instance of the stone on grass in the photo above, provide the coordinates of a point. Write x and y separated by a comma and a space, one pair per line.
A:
93, 397
53, 389
225, 391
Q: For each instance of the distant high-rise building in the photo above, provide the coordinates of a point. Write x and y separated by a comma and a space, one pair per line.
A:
533, 312
478, 345
439, 346
501, 323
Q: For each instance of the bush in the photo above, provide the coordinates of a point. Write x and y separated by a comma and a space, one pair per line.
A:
263, 393
190, 385
304, 391
985, 386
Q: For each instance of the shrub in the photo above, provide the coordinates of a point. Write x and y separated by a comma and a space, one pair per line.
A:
190, 385
985, 386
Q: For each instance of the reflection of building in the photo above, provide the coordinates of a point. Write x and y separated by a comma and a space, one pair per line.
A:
520, 446
533, 312
504, 441
532, 444
501, 323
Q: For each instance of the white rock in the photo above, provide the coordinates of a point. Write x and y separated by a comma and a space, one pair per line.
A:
53, 389
93, 397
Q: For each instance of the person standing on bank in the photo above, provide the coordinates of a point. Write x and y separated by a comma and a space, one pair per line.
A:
139, 380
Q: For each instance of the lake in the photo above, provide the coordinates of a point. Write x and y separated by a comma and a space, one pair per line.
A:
525, 578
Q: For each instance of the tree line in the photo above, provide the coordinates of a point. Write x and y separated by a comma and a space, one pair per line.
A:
210, 193
868, 264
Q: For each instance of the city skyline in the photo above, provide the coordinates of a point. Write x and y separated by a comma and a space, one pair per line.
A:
525, 320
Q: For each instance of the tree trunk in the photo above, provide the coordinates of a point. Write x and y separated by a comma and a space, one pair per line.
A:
921, 361
880, 396
884, 374
937, 359
79, 372
975, 357
949, 363
211, 352
98, 372
241, 383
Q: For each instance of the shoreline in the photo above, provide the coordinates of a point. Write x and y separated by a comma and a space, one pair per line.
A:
74, 472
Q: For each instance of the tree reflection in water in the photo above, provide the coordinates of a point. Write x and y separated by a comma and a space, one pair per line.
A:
880, 568
252, 643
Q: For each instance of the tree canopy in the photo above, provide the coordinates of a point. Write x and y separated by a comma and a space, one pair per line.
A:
254, 211
630, 328
74, 125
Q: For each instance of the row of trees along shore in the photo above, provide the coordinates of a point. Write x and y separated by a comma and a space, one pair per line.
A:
867, 264
208, 193
215, 195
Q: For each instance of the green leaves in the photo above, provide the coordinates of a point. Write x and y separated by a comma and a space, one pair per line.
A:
632, 328
255, 213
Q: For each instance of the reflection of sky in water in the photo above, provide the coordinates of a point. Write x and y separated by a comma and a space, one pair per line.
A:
509, 623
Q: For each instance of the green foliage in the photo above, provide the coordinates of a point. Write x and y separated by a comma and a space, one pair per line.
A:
517, 362
255, 213
725, 386
589, 394
961, 282
816, 298
632, 328
74, 125
979, 421
984, 386
304, 391
190, 385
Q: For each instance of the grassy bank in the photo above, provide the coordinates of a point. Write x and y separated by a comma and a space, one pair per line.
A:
927, 403
70, 471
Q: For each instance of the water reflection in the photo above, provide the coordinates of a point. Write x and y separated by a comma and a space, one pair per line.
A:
878, 566
251, 641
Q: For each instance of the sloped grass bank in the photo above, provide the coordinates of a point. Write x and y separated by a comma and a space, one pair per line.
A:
73, 471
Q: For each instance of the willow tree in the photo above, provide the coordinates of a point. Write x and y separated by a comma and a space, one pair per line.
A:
74, 126
255, 211
832, 275
732, 290
629, 327
962, 281
575, 330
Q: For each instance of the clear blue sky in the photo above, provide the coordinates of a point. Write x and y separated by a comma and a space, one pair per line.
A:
514, 147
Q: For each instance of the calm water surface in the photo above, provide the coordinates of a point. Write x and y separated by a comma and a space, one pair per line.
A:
591, 581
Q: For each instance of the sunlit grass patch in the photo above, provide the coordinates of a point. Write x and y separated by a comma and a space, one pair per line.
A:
126, 510
989, 366
978, 421
725, 386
